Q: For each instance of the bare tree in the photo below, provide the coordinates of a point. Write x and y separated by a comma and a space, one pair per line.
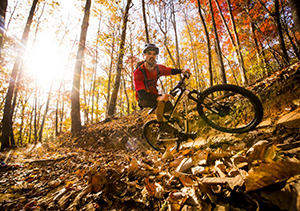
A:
162, 23
260, 53
95, 70
208, 44
217, 45
113, 99
236, 43
112, 53
7, 114
75, 99
173, 21
145, 21
295, 5
276, 16
3, 6
45, 113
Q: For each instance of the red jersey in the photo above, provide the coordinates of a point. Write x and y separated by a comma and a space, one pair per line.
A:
152, 77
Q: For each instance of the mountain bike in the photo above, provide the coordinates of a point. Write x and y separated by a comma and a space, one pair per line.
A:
227, 108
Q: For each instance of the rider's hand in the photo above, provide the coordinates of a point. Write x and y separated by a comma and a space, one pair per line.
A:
186, 71
164, 97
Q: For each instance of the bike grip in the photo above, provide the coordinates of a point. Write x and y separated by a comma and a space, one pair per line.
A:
187, 75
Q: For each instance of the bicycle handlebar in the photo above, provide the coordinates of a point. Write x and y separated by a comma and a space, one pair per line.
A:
180, 83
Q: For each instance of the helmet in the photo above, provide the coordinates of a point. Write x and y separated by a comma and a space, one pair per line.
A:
151, 47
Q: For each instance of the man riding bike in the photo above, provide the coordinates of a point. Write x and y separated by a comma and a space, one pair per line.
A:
145, 81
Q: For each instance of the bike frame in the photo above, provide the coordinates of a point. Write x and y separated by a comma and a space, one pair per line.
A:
184, 93
216, 102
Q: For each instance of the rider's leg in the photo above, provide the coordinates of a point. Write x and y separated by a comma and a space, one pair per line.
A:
168, 109
160, 111
165, 107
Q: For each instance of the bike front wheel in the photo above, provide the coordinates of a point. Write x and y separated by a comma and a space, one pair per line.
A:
230, 108
157, 139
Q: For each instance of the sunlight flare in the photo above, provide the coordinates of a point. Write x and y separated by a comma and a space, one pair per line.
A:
45, 64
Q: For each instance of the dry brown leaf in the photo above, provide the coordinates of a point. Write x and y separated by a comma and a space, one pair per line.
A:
287, 198
257, 151
167, 155
200, 158
150, 187
97, 182
176, 201
271, 173
185, 165
239, 161
176, 162
133, 166
231, 181
187, 181
199, 170
217, 155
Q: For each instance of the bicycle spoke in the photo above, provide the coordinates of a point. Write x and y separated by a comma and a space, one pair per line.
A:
157, 139
230, 108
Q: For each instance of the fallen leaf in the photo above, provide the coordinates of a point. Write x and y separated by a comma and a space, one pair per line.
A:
271, 173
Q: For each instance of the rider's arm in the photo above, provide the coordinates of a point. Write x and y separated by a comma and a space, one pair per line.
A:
169, 71
178, 71
175, 71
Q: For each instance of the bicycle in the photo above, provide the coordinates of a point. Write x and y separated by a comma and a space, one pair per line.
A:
227, 108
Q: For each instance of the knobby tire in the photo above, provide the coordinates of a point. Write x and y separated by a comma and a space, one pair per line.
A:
242, 113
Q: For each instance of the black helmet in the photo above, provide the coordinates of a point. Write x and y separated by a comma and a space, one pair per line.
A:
151, 47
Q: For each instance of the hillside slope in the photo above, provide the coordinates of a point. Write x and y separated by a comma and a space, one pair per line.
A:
277, 93
110, 167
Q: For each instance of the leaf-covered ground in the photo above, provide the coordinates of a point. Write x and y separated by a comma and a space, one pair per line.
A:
110, 167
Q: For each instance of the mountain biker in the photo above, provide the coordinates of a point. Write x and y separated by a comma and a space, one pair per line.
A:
145, 81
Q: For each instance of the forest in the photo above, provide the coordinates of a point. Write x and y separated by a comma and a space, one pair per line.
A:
71, 128
67, 64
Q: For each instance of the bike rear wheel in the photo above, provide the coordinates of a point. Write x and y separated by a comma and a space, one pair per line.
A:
230, 108
157, 139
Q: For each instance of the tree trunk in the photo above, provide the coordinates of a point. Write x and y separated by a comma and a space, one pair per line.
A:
293, 43
217, 45
112, 53
61, 97
260, 55
85, 101
145, 21
7, 118
62, 113
3, 6
211, 81
279, 31
113, 99
20, 139
29, 134
95, 71
276, 16
35, 113
238, 47
133, 61
45, 114
194, 52
126, 95
75, 98
295, 5
164, 30
173, 20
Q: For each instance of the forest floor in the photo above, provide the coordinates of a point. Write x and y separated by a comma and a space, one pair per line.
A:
110, 167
